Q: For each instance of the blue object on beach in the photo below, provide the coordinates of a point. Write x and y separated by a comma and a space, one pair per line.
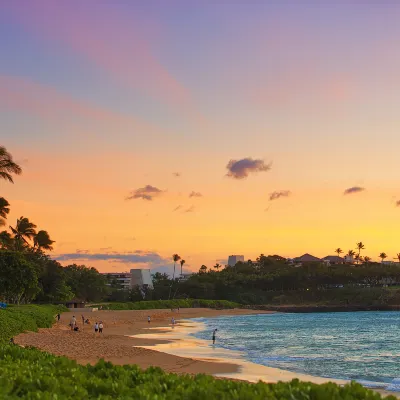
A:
3, 305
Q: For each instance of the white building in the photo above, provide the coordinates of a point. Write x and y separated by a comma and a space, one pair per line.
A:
141, 277
233, 260
122, 279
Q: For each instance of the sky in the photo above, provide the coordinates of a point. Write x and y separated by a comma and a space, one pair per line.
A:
203, 128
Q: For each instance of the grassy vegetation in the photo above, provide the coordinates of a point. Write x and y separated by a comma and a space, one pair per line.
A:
17, 319
168, 304
31, 374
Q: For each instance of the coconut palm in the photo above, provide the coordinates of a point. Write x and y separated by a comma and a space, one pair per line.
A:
24, 231
367, 259
397, 257
182, 262
382, 256
217, 266
6, 240
339, 251
351, 253
42, 241
176, 258
8, 166
360, 246
203, 269
4, 210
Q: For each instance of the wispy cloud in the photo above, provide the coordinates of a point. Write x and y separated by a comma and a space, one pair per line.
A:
177, 208
138, 257
354, 189
146, 193
240, 169
176, 174
278, 194
195, 194
190, 209
112, 39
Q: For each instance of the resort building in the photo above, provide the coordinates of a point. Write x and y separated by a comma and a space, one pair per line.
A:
307, 258
233, 260
127, 280
121, 279
332, 260
142, 278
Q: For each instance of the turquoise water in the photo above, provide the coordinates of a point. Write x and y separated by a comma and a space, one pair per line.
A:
362, 346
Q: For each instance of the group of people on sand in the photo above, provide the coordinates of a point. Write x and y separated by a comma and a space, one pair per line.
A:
98, 326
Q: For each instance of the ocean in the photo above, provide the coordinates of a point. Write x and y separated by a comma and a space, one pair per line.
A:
361, 346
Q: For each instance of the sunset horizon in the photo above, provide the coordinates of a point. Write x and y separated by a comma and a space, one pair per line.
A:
147, 129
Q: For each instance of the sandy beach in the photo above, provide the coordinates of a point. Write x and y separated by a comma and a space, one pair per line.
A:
128, 338
117, 345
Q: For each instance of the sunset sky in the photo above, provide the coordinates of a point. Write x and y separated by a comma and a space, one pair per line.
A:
203, 128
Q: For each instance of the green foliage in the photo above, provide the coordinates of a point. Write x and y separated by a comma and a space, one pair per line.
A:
18, 277
31, 374
86, 283
17, 319
169, 304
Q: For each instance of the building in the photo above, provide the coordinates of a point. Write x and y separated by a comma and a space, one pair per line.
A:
233, 260
348, 259
120, 279
306, 258
185, 277
141, 277
333, 260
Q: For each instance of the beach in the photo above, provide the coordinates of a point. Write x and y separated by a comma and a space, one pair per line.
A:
128, 338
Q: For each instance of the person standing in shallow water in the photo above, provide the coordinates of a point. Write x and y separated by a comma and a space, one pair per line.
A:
213, 336
148, 319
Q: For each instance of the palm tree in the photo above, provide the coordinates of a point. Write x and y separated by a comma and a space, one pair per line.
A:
23, 231
42, 241
360, 246
351, 253
6, 240
217, 266
4, 210
182, 262
8, 166
383, 256
397, 257
203, 269
339, 251
176, 258
367, 259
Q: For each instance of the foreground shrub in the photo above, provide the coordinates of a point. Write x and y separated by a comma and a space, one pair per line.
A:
32, 374
17, 319
168, 304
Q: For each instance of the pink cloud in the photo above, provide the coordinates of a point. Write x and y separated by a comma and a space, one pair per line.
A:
117, 44
51, 105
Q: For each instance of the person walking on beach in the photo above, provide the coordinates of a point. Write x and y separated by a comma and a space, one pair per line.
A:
148, 319
96, 327
213, 336
83, 320
58, 316
73, 323
173, 321
101, 327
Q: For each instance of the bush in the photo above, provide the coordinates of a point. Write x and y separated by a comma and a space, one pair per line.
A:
17, 319
168, 304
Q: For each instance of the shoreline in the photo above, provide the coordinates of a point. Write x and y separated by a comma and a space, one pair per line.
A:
129, 339
181, 343
323, 308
